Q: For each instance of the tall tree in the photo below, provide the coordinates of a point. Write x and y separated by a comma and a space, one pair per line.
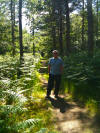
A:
20, 29
60, 28
13, 25
83, 17
97, 7
68, 47
33, 36
53, 24
90, 28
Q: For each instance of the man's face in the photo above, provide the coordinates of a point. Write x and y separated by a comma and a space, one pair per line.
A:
55, 54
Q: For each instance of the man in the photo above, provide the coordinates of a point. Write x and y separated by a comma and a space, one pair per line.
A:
55, 69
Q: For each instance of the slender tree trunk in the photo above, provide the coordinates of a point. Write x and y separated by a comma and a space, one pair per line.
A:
53, 25
13, 26
90, 28
97, 20
83, 45
54, 37
33, 48
60, 31
33, 37
68, 44
20, 29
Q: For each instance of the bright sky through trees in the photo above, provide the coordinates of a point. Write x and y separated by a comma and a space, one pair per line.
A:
25, 22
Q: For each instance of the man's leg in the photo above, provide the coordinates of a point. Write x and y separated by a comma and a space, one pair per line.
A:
57, 84
50, 84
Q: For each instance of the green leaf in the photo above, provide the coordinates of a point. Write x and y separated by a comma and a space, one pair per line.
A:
43, 130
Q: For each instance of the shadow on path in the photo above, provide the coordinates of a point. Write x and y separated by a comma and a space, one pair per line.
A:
61, 104
72, 118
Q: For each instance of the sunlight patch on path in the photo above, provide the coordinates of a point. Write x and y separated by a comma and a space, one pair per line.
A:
71, 126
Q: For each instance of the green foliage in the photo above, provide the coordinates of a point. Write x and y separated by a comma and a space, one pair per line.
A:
45, 130
14, 93
11, 108
76, 29
22, 104
82, 74
4, 34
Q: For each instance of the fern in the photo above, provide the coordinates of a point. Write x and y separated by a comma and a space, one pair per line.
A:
15, 79
15, 96
24, 124
8, 109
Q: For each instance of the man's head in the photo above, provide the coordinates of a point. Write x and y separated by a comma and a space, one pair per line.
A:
55, 53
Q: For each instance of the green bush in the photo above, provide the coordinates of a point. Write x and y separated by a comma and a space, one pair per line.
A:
84, 73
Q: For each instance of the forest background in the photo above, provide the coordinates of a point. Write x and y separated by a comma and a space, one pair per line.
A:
70, 26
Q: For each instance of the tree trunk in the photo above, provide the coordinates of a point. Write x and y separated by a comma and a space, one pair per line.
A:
20, 29
13, 26
54, 37
90, 28
97, 20
33, 37
83, 45
68, 47
53, 24
60, 31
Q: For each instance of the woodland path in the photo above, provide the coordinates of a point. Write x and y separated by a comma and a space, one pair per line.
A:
70, 116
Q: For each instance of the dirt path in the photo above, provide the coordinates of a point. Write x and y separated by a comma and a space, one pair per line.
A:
71, 117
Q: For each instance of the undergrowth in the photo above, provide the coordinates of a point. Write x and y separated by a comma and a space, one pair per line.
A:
22, 104
82, 79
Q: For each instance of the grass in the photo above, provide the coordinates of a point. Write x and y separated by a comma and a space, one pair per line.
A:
40, 108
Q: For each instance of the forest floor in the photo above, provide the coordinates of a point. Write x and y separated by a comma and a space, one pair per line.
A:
69, 116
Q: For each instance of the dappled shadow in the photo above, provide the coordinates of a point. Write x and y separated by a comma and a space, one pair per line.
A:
61, 104
95, 125
72, 117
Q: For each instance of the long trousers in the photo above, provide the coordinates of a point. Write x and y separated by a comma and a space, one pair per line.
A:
52, 79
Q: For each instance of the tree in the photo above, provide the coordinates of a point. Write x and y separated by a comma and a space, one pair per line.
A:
33, 9
13, 25
97, 11
68, 47
5, 27
60, 28
20, 29
54, 23
33, 36
83, 17
90, 28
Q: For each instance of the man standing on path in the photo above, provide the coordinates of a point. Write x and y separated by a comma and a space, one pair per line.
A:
55, 69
